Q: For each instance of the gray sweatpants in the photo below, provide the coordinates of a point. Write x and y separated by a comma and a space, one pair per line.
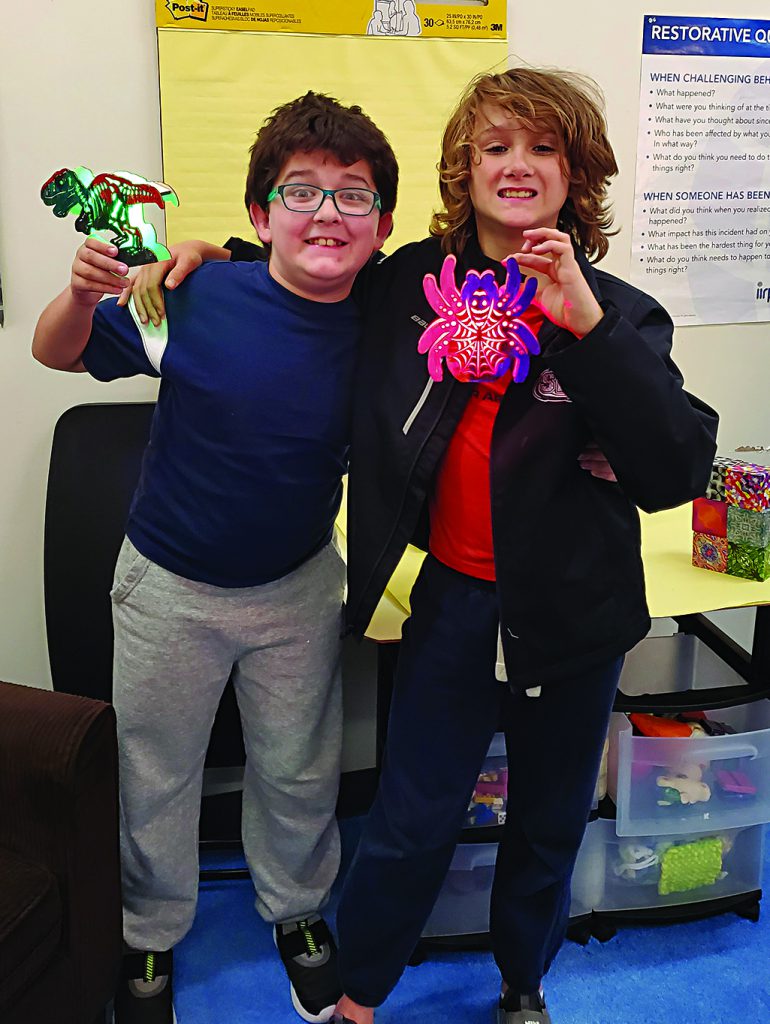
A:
176, 642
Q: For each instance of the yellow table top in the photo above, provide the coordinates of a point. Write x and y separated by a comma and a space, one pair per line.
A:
674, 585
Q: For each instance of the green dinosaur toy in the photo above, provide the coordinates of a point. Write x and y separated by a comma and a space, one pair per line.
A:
111, 202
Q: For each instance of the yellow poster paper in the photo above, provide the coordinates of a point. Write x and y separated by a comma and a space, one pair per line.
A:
459, 19
218, 87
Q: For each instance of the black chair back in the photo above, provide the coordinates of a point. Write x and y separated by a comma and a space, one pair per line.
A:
96, 459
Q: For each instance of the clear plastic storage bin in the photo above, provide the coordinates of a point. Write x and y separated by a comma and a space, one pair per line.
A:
588, 876
616, 873
671, 664
675, 786
462, 907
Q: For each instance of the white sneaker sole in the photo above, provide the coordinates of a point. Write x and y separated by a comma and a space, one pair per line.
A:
319, 1018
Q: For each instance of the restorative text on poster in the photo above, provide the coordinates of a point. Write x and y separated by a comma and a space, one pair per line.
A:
701, 240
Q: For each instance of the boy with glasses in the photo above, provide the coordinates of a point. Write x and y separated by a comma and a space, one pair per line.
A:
228, 566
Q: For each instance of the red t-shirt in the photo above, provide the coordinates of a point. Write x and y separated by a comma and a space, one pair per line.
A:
461, 506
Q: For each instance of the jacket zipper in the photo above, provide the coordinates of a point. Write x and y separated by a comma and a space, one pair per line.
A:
420, 403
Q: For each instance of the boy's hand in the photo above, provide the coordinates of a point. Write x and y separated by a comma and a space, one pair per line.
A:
594, 461
147, 286
147, 290
563, 293
96, 272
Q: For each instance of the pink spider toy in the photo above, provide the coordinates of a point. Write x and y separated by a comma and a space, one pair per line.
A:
477, 330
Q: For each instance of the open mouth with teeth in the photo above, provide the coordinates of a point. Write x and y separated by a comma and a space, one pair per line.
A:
517, 193
333, 243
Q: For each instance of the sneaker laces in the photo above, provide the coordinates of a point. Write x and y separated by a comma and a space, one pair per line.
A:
312, 947
308, 942
147, 974
149, 968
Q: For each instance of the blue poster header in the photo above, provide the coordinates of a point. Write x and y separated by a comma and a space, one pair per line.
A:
705, 37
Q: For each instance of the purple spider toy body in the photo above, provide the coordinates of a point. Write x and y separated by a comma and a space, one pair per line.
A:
477, 330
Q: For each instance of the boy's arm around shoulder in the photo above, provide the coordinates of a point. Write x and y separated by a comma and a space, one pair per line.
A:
659, 439
147, 287
64, 327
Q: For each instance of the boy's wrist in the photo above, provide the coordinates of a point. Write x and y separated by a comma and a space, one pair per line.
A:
84, 299
587, 322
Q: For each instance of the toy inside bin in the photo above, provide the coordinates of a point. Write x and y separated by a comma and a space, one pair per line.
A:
731, 523
490, 794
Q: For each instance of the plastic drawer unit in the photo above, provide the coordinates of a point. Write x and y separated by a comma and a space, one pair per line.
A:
462, 907
673, 786
617, 873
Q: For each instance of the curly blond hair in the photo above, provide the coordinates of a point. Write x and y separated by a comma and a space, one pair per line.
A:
563, 102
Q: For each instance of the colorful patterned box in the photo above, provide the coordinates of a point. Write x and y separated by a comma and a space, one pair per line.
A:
709, 516
731, 523
709, 552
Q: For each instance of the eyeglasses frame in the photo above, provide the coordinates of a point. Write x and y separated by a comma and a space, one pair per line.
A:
278, 191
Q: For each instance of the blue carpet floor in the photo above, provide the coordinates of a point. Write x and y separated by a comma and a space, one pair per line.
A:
714, 971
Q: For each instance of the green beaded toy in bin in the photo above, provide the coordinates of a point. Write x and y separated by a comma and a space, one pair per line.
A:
691, 865
731, 523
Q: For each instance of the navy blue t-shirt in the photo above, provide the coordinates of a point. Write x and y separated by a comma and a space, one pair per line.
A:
241, 479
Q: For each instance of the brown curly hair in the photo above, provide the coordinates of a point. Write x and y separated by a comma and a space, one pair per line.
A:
319, 122
564, 102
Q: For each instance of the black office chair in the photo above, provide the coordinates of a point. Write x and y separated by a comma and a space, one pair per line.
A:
95, 463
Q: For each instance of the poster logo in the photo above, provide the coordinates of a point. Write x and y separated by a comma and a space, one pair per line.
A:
396, 19
197, 9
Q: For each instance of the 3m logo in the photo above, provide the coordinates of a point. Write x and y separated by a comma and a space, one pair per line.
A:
496, 26
196, 9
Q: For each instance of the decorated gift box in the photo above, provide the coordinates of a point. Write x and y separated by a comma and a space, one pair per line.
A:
731, 523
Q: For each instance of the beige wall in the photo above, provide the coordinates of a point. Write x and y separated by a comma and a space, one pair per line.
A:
78, 84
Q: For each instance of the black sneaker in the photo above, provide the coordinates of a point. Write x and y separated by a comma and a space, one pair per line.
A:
144, 994
528, 1009
309, 955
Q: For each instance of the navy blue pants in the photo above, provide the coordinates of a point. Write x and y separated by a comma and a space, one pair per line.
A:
445, 710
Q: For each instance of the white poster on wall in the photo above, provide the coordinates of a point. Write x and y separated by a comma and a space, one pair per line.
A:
701, 241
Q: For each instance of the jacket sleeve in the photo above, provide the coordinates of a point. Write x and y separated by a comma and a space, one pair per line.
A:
245, 252
659, 440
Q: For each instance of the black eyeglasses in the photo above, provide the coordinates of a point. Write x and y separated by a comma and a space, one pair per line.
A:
352, 202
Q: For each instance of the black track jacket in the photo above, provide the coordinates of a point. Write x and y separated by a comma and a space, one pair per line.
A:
570, 580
